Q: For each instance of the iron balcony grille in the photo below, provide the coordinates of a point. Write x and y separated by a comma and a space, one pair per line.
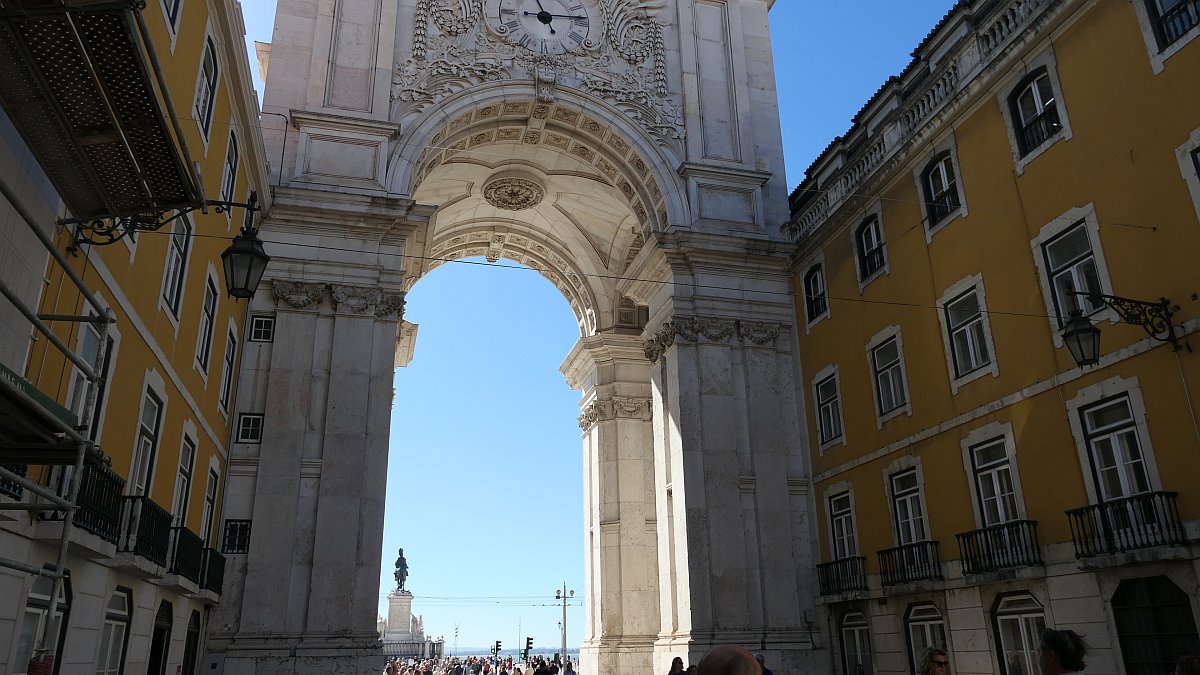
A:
1004, 546
1141, 521
146, 530
237, 537
1039, 129
1177, 21
911, 562
872, 261
98, 507
213, 576
942, 205
10, 488
842, 576
187, 554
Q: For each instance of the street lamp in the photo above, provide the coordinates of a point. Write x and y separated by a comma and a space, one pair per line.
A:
245, 260
564, 595
1083, 338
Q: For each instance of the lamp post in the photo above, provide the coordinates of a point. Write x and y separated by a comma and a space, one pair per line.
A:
1083, 338
564, 596
245, 260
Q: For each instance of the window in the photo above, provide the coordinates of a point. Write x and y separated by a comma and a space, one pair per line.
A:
171, 10
1020, 621
1035, 112
210, 506
229, 176
227, 369
1173, 19
841, 519
160, 639
113, 636
941, 189
816, 303
925, 629
177, 254
183, 481
88, 346
1115, 450
191, 645
237, 537
147, 444
206, 88
33, 622
262, 328
968, 335
1071, 267
250, 428
889, 376
856, 645
208, 317
993, 482
1154, 624
829, 410
868, 242
906, 507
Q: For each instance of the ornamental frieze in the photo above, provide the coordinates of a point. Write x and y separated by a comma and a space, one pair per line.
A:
297, 294
617, 407
709, 329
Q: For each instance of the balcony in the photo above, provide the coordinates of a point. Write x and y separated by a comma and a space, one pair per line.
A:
98, 507
1142, 521
942, 205
909, 563
842, 576
1039, 129
9, 488
83, 87
187, 554
213, 576
1005, 546
1177, 21
146, 530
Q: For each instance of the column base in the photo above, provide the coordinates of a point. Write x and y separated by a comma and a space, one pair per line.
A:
299, 655
621, 656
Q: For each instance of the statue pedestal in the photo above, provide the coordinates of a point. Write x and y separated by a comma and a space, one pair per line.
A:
399, 618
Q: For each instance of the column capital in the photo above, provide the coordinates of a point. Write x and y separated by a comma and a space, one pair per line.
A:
615, 353
623, 407
366, 301
297, 294
696, 329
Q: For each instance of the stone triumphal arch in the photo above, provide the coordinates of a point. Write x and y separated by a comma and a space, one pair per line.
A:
629, 150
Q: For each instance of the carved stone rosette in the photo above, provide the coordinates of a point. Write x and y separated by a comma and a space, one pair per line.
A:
617, 407
710, 329
297, 294
513, 193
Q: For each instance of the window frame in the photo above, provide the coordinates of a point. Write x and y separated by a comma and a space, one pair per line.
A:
1007, 95
925, 622
229, 171
988, 433
209, 307
1098, 393
815, 272
1188, 155
1031, 648
846, 518
970, 284
241, 428
78, 386
253, 328
1112, 432
866, 270
1157, 49
1086, 215
1174, 645
209, 514
944, 155
141, 473
856, 623
114, 618
228, 367
181, 497
878, 341
827, 374
914, 496
39, 606
236, 531
175, 267
208, 84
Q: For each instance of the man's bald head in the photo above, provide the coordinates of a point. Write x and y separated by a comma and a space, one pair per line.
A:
729, 660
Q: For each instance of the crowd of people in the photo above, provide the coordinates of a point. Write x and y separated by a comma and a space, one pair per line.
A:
1060, 652
479, 665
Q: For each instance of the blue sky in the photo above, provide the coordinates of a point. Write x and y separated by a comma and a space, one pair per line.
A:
486, 461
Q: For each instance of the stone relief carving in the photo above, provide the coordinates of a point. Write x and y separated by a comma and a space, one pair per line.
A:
354, 299
710, 329
454, 48
616, 407
390, 306
513, 193
297, 294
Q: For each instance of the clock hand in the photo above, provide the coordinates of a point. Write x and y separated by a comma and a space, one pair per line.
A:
555, 16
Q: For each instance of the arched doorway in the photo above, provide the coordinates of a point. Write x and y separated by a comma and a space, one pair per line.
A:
653, 212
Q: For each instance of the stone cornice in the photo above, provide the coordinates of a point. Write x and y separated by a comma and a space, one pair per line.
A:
697, 329
617, 407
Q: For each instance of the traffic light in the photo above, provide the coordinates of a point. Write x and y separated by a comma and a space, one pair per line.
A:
497, 648
528, 647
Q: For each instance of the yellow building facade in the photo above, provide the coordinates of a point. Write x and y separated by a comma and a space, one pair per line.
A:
144, 563
973, 484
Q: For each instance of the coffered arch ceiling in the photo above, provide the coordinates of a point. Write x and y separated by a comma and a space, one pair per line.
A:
547, 185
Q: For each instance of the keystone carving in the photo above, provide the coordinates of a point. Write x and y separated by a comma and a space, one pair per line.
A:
618, 407
297, 294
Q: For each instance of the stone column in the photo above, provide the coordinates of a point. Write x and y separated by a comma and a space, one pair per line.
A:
621, 592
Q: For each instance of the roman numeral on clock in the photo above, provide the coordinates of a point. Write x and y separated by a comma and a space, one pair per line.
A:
512, 25
576, 37
508, 11
580, 21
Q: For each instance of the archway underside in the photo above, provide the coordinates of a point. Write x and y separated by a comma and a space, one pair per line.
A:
545, 186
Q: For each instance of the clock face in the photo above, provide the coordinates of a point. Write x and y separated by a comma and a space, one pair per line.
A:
545, 26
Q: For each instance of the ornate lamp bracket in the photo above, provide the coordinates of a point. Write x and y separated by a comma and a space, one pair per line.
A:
1153, 317
105, 231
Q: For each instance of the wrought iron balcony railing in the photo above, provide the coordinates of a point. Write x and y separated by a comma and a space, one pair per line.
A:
911, 562
942, 205
213, 577
1141, 521
10, 488
1004, 546
145, 529
187, 554
1177, 21
872, 261
1039, 129
99, 503
842, 576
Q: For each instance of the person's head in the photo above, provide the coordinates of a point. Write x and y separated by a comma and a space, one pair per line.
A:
934, 662
676, 664
728, 660
1061, 651
1188, 664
